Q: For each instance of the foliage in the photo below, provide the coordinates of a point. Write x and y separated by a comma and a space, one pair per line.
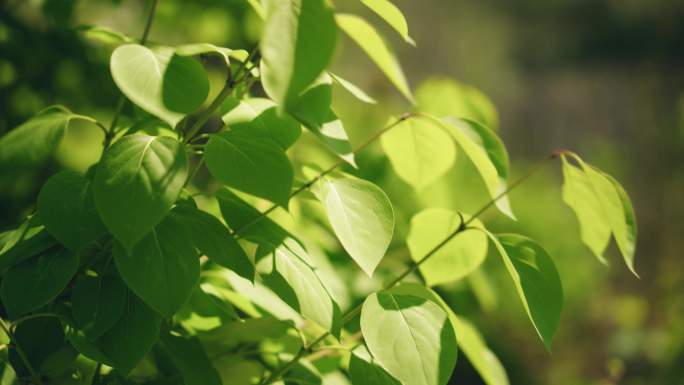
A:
135, 273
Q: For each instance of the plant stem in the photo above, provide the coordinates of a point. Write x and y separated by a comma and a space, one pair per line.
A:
327, 171
109, 134
34, 375
148, 25
223, 94
349, 315
206, 114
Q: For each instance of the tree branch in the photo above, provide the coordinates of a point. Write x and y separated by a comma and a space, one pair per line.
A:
412, 268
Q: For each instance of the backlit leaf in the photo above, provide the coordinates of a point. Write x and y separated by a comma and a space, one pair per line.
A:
392, 15
364, 370
446, 97
288, 266
361, 216
297, 45
420, 152
578, 193
161, 83
462, 255
374, 46
602, 197
410, 337
469, 339
353, 89
479, 150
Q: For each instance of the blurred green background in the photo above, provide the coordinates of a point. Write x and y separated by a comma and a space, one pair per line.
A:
604, 78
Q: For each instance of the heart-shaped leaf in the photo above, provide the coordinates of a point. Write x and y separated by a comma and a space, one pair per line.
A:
158, 81
361, 216
67, 209
420, 152
163, 268
459, 257
410, 337
250, 163
137, 182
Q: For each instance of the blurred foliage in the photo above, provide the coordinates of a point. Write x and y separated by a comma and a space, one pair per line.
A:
603, 77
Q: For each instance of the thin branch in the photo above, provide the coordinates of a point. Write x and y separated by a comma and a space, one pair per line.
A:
414, 266
148, 25
109, 134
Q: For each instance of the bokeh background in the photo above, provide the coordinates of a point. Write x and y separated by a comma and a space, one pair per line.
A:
604, 78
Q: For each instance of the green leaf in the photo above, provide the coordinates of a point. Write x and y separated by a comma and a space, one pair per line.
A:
103, 35
235, 369
392, 15
132, 336
67, 209
37, 281
205, 311
260, 116
159, 82
374, 46
163, 268
137, 182
312, 109
36, 139
353, 89
189, 357
97, 303
25, 242
245, 331
209, 49
214, 240
536, 281
475, 148
364, 370
297, 45
480, 356
249, 163
247, 222
420, 151
40, 339
361, 216
459, 257
602, 207
578, 193
302, 372
290, 274
410, 337
625, 236
441, 97
469, 340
